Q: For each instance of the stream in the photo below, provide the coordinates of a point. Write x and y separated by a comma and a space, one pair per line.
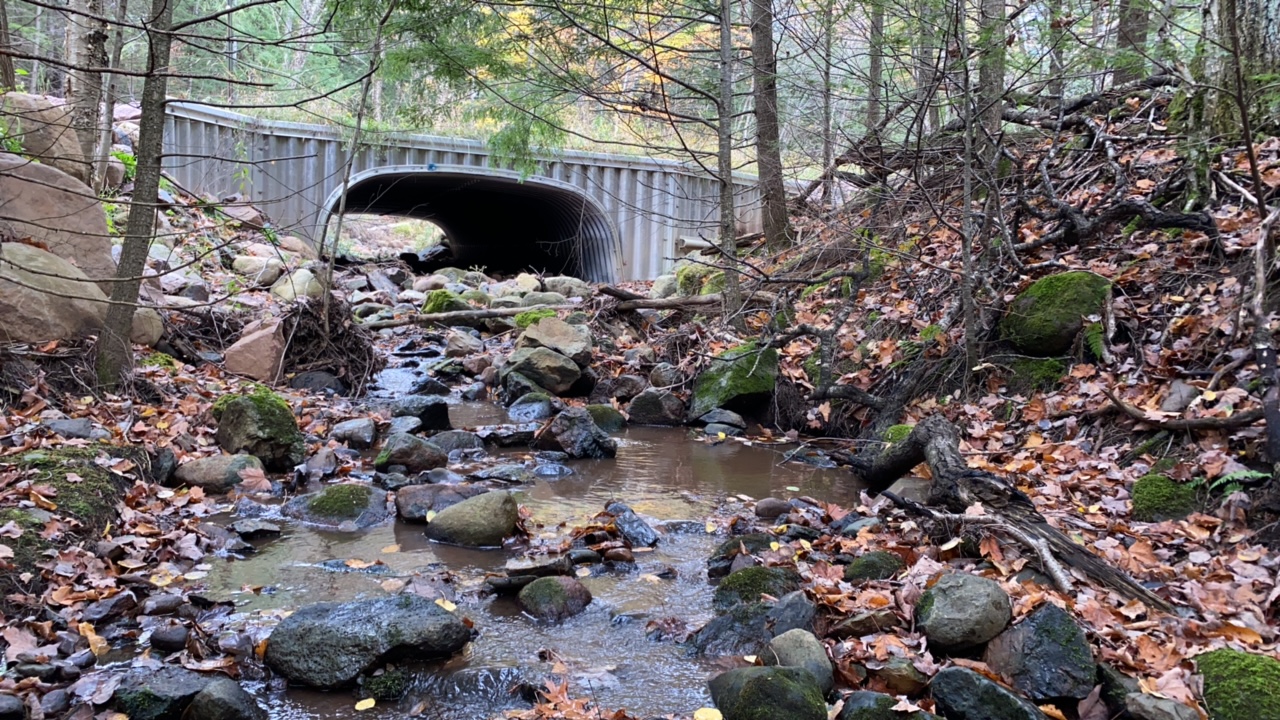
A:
664, 474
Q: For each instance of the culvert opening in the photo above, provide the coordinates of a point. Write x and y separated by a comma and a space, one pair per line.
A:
497, 222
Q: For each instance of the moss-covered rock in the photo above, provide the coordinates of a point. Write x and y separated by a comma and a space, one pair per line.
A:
713, 284
1046, 317
1156, 498
723, 556
691, 276
260, 423
1240, 685
439, 301
607, 417
1031, 374
768, 693
341, 501
866, 705
554, 598
736, 379
477, 297
876, 565
897, 433
160, 360
529, 317
748, 584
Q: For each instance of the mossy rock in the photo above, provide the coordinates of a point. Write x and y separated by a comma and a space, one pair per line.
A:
690, 278
554, 598
1240, 685
477, 297
736, 379
1044, 319
876, 565
768, 693
529, 317
260, 423
341, 501
1157, 498
897, 433
607, 417
160, 360
722, 557
866, 705
748, 584
714, 283
1028, 375
439, 301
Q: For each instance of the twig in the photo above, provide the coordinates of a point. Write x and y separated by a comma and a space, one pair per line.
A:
1240, 419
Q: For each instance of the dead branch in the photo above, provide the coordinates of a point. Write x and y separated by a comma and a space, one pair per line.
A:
1240, 419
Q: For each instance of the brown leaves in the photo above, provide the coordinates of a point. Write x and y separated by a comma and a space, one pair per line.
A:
254, 481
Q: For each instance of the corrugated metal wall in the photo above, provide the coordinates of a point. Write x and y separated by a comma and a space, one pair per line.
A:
292, 172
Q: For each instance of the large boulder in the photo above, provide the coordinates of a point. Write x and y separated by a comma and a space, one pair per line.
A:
801, 648
58, 212
768, 693
411, 452
432, 410
962, 611
481, 521
1044, 319
962, 694
574, 432
261, 424
747, 585
572, 341
44, 132
1045, 657
738, 378
329, 645
656, 407
43, 297
547, 368
216, 473
346, 506
554, 598
224, 699
158, 694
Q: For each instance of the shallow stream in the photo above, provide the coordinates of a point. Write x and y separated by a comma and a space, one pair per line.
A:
662, 473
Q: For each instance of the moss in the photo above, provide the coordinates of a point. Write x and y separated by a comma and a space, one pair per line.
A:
781, 692
141, 704
1156, 498
529, 317
810, 290
1031, 374
923, 606
159, 359
543, 594
387, 685
690, 277
607, 417
1045, 318
439, 301
341, 501
739, 375
813, 366
28, 546
261, 395
713, 284
1240, 685
877, 565
748, 584
897, 433
477, 297
930, 332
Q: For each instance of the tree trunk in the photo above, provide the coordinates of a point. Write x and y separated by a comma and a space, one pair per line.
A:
828, 142
8, 78
1131, 41
1250, 25
115, 355
991, 75
764, 76
875, 65
102, 154
724, 167
926, 52
87, 52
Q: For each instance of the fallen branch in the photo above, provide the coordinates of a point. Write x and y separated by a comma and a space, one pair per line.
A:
460, 316
683, 302
1240, 419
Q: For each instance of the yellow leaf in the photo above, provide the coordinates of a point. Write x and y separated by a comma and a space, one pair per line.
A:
446, 604
721, 436
707, 713
391, 548
1052, 712
97, 644
1210, 396
431, 515
750, 658
365, 704
805, 544
583, 572
711, 527
774, 545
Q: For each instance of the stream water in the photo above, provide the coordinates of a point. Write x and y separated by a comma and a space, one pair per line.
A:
662, 473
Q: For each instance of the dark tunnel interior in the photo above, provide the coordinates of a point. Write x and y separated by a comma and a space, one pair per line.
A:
499, 223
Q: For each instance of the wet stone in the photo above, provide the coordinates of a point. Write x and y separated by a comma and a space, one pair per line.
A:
404, 425
250, 528
170, 638
432, 410
772, 507
12, 708
224, 699
161, 604
53, 704
634, 530
358, 434
717, 429
109, 609
723, 417
508, 473
162, 694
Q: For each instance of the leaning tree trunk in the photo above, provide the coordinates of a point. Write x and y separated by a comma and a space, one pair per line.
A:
764, 75
956, 488
115, 354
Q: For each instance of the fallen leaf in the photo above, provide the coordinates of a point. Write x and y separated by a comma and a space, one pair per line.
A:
365, 704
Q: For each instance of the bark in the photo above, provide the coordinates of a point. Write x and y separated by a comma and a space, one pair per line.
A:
764, 75
115, 355
724, 166
991, 75
86, 51
828, 143
875, 64
926, 58
1131, 41
8, 78
102, 153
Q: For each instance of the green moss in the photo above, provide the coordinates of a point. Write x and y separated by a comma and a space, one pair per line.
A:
387, 685
810, 290
740, 374
529, 317
607, 417
439, 301
748, 584
1240, 685
813, 366
930, 332
713, 284
897, 433
341, 501
1156, 498
781, 692
159, 359
690, 277
1045, 318
28, 546
1031, 374
543, 593
924, 605
141, 704
877, 565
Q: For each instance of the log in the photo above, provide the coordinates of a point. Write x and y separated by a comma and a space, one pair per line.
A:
461, 316
956, 487
670, 303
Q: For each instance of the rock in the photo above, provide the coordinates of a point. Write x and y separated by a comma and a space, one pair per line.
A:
329, 645
801, 648
260, 271
410, 452
148, 327
607, 417
406, 425
576, 434
294, 244
865, 705
508, 472
258, 354
745, 586
428, 385
741, 377
1045, 657
900, 676
746, 628
768, 693
261, 424
1044, 319
508, 435
665, 376
318, 381
720, 416
358, 434
217, 473
865, 623
1158, 497
43, 297
461, 344
962, 694
571, 341
547, 368
962, 611
481, 521
664, 286
301, 283
656, 407
110, 608
1240, 685
244, 213
451, 440
343, 506
55, 703
772, 507
162, 604
527, 283
43, 131
442, 301
570, 287
535, 299
875, 565
640, 355
157, 694
430, 282
723, 556
516, 386
1142, 706
71, 429
432, 410
224, 699
170, 638
414, 502
532, 406
635, 531
554, 598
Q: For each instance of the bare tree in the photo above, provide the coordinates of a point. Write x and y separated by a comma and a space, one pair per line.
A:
764, 76
87, 55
